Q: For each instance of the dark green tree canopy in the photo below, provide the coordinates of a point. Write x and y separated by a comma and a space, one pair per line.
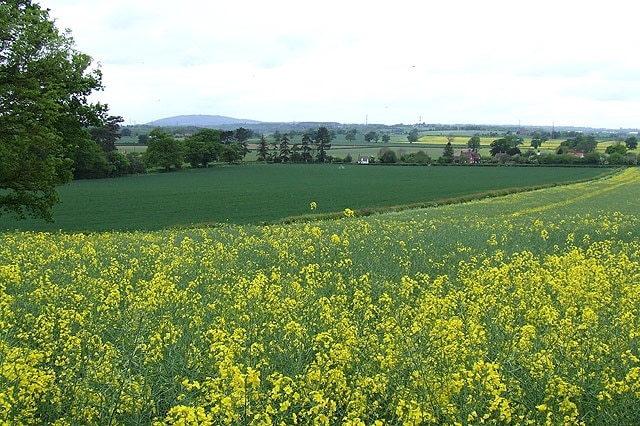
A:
163, 150
203, 147
507, 145
285, 148
616, 148
44, 108
631, 142
413, 135
386, 155
447, 153
371, 136
323, 142
263, 149
581, 143
473, 142
350, 135
108, 134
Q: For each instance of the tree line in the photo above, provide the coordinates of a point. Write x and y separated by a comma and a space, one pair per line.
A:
209, 146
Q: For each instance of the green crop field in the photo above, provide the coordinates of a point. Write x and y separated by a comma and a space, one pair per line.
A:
267, 193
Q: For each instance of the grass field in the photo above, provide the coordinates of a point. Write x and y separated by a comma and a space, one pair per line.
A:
521, 309
267, 193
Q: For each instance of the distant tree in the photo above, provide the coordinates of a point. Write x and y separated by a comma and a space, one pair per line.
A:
386, 138
276, 136
616, 148
538, 138
388, 156
419, 157
231, 153
296, 156
227, 137
350, 135
107, 134
263, 149
202, 147
143, 139
323, 143
581, 143
45, 83
285, 149
89, 161
631, 142
136, 163
507, 144
371, 136
313, 133
474, 142
241, 136
274, 151
119, 164
413, 135
447, 154
163, 150
306, 148
536, 142
125, 132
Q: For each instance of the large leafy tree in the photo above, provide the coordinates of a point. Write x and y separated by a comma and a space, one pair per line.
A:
163, 150
203, 147
581, 143
507, 145
413, 135
45, 84
371, 136
631, 142
474, 142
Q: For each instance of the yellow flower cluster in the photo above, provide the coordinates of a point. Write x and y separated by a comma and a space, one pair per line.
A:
516, 310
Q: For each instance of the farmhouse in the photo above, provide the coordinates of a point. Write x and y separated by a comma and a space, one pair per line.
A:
467, 156
363, 160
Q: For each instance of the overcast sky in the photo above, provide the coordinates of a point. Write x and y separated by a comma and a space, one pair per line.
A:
544, 62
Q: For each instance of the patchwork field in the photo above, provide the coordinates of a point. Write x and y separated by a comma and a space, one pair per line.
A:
521, 309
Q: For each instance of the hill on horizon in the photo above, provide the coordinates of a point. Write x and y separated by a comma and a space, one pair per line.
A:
199, 120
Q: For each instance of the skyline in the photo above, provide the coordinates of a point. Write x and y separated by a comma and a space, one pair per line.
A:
495, 62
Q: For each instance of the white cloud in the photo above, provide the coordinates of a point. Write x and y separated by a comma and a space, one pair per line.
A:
459, 61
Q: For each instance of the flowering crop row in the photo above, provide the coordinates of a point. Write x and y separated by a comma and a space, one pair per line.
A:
517, 310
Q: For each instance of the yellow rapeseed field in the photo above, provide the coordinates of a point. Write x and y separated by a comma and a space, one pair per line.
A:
523, 310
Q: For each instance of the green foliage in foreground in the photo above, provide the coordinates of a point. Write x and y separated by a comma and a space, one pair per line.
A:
270, 193
44, 88
514, 310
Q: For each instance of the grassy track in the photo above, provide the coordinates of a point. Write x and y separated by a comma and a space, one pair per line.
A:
259, 193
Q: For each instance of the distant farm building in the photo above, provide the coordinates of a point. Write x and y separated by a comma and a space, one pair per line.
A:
363, 160
467, 156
